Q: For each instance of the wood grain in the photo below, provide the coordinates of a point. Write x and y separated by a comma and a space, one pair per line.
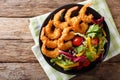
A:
21, 71
33, 71
16, 41
16, 51
105, 71
115, 11
29, 8
17, 61
14, 28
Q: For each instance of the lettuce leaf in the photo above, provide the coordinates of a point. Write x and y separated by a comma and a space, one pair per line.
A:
79, 48
102, 44
104, 41
89, 55
94, 30
61, 59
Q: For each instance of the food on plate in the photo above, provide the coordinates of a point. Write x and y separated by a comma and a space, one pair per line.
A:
56, 20
49, 53
83, 16
67, 34
52, 34
64, 42
68, 18
76, 41
49, 43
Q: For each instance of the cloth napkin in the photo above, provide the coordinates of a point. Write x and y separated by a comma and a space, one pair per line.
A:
101, 7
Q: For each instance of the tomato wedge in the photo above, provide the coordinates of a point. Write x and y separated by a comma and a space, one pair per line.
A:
86, 63
95, 41
77, 41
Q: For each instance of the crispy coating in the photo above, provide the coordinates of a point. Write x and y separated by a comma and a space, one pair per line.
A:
52, 34
49, 53
83, 16
56, 20
81, 28
49, 43
64, 41
64, 45
68, 17
60, 36
67, 34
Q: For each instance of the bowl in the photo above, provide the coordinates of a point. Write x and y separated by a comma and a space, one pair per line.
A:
93, 64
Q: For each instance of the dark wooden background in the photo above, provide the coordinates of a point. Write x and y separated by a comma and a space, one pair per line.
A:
17, 61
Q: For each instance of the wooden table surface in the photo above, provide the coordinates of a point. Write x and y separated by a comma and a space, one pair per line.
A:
17, 61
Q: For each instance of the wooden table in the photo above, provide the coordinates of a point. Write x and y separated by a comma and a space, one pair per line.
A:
17, 61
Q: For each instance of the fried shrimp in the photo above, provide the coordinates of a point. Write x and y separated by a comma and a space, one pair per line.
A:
49, 43
62, 45
68, 14
49, 53
83, 16
81, 28
56, 20
59, 33
67, 34
52, 34
64, 41
84, 27
81, 24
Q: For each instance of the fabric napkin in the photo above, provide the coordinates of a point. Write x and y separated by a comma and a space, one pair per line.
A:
101, 7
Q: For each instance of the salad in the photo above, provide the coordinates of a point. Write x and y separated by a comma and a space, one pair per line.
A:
86, 48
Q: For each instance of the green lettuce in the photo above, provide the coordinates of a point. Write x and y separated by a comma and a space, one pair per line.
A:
79, 48
94, 30
61, 59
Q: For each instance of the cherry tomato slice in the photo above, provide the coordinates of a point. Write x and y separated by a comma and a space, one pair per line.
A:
86, 63
77, 41
95, 41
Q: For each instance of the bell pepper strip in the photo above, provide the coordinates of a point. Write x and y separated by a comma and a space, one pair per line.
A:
95, 56
100, 39
92, 56
99, 47
104, 33
89, 44
80, 54
67, 66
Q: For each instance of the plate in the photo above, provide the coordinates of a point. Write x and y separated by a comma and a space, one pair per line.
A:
96, 16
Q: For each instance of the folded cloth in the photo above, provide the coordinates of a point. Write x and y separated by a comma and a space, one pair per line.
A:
101, 7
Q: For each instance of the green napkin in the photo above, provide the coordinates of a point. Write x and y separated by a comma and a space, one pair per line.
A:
98, 5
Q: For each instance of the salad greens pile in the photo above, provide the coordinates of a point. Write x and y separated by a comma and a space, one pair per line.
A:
87, 48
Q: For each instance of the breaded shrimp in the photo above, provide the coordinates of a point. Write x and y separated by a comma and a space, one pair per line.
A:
49, 43
49, 53
84, 27
64, 45
81, 28
67, 34
64, 41
56, 20
68, 17
52, 34
83, 16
